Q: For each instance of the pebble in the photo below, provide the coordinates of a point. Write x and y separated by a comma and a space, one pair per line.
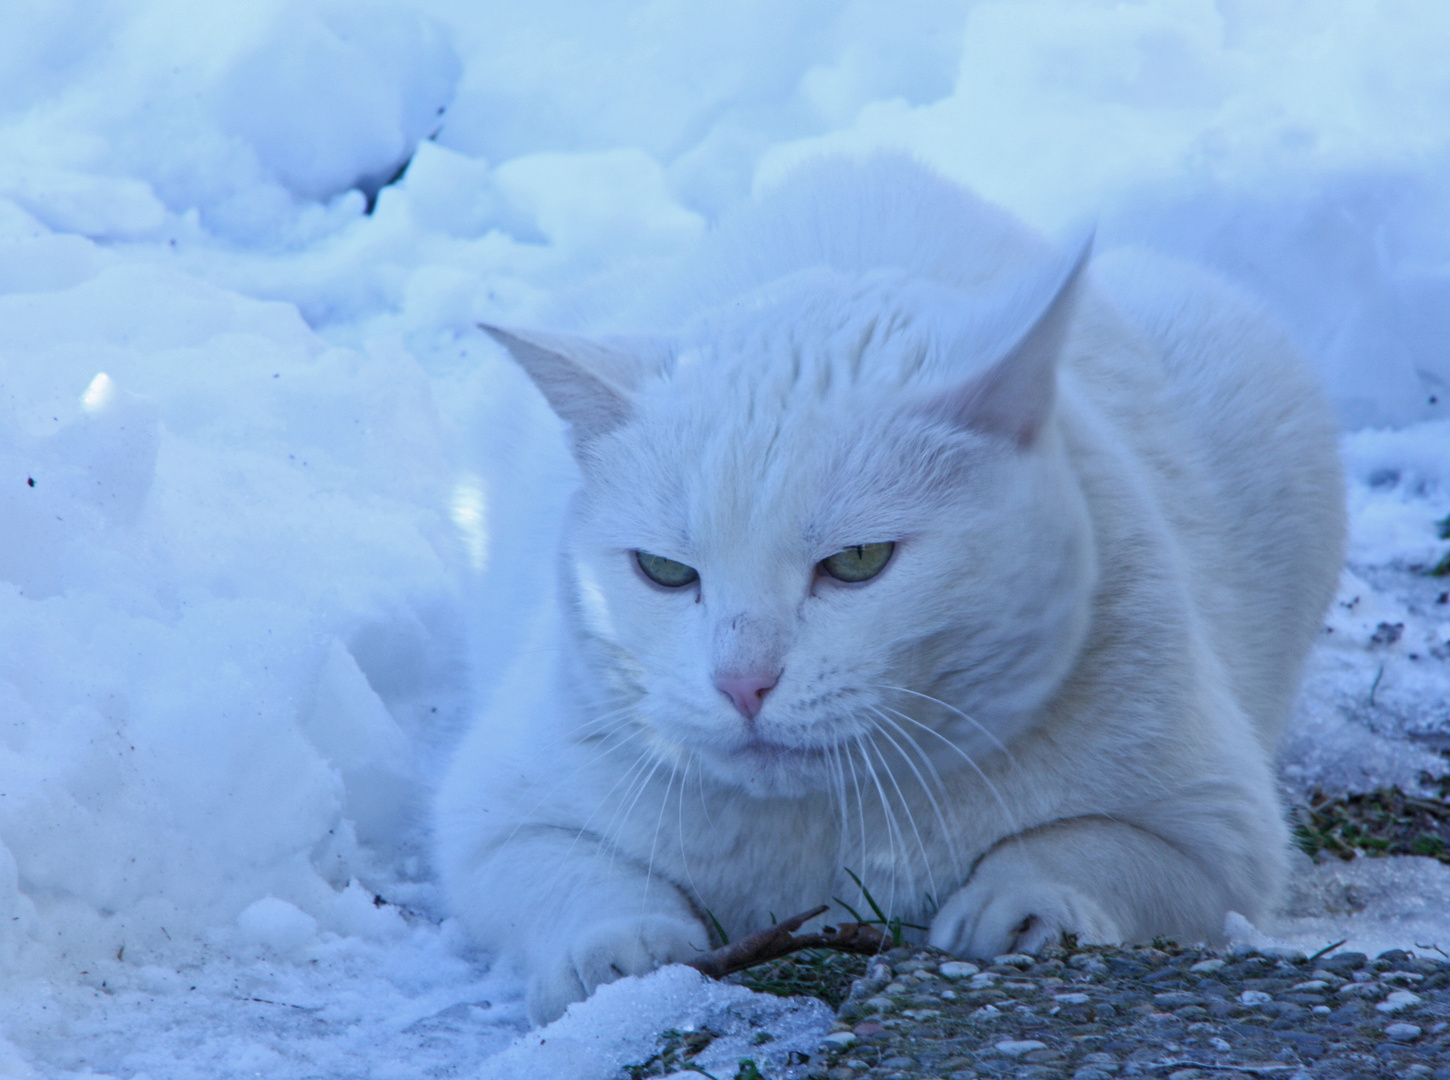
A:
1017, 960
958, 969
1399, 1001
1018, 1047
1109, 1013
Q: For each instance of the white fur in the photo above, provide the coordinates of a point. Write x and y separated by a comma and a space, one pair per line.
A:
1117, 510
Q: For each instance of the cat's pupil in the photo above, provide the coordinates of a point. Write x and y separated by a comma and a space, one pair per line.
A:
861, 562
666, 572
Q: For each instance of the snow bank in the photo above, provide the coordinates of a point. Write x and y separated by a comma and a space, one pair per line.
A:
267, 494
619, 1024
1370, 905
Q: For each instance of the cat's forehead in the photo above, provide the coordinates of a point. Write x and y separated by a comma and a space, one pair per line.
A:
784, 473
818, 335
794, 418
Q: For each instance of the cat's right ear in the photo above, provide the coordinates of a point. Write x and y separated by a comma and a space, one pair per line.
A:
590, 384
1013, 397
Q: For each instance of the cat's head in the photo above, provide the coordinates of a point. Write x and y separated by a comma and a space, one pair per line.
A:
818, 511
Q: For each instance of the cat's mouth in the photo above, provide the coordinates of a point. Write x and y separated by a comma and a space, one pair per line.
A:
766, 752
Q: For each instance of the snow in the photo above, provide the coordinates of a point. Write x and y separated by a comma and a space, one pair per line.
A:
267, 495
594, 1038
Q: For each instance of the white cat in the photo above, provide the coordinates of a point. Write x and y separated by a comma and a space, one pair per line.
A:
920, 550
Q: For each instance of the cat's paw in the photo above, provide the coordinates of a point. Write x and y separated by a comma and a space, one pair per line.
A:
988, 917
609, 950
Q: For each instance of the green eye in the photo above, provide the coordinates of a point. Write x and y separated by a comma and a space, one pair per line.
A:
860, 563
666, 572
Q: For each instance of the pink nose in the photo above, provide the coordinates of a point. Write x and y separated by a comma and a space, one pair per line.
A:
747, 691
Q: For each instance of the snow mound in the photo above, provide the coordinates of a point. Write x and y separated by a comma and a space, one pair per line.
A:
619, 1026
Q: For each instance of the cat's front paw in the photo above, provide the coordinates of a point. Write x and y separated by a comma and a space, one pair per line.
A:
609, 950
991, 916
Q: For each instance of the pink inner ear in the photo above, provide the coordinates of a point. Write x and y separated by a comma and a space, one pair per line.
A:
1013, 398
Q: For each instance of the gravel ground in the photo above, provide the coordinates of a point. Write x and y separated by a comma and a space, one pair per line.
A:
1096, 1013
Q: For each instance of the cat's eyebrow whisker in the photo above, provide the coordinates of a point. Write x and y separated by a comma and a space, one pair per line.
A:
906, 804
948, 833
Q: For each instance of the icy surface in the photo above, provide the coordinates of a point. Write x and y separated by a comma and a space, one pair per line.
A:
267, 495
596, 1037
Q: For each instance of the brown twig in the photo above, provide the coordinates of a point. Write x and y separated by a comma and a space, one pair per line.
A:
781, 940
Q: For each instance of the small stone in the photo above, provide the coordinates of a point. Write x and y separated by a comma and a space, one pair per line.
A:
1019, 1047
879, 1004
1321, 1010
984, 995
1176, 999
894, 988
1017, 960
1093, 1072
1285, 952
901, 1061
1398, 1001
1398, 977
1207, 967
1221, 1045
1071, 999
1403, 1032
1254, 997
1359, 990
839, 1041
1342, 963
958, 969
1309, 987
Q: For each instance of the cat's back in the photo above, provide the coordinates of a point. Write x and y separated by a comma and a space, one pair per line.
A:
1262, 519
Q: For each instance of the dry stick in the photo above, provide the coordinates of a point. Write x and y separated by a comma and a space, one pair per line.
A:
781, 940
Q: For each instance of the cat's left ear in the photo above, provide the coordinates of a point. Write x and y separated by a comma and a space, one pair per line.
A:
589, 383
1013, 397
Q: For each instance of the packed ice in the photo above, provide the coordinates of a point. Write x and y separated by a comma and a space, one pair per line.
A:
273, 510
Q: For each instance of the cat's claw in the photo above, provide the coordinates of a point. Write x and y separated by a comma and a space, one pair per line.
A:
986, 919
605, 951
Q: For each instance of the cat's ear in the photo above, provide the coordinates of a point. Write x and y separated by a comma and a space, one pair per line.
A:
590, 383
1013, 397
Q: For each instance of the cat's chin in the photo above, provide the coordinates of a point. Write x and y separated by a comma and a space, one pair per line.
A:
772, 770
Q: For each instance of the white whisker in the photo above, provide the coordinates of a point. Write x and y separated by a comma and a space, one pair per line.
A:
948, 833
906, 806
